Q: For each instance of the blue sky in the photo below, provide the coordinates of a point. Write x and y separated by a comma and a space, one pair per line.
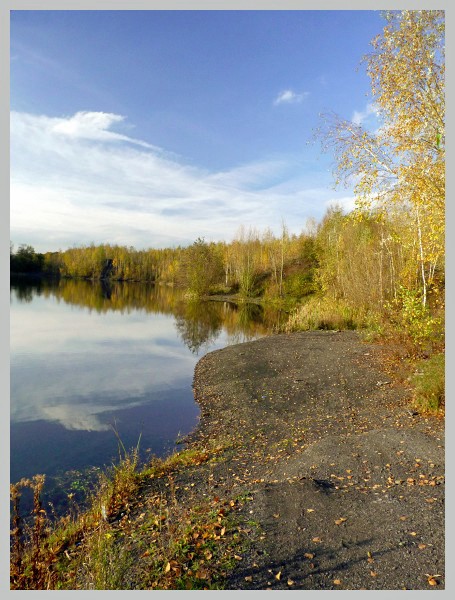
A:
152, 128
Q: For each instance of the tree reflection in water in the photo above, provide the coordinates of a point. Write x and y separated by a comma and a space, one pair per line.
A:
198, 323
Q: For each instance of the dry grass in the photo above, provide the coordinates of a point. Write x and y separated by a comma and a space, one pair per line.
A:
326, 313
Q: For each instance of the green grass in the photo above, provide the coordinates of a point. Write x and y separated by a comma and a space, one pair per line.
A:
429, 383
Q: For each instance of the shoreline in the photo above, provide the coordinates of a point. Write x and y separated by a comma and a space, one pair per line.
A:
337, 464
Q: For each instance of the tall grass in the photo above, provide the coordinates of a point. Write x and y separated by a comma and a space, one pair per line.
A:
327, 313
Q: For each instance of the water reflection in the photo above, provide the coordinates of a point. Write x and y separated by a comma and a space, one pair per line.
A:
85, 355
197, 323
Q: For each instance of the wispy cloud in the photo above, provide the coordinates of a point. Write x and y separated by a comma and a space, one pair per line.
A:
290, 97
95, 126
76, 180
359, 117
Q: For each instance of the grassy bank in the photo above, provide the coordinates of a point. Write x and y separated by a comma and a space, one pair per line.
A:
139, 532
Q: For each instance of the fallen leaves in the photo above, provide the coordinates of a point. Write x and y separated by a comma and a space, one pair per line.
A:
423, 480
340, 520
432, 579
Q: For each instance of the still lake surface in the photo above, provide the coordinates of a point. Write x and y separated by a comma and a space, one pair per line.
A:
88, 358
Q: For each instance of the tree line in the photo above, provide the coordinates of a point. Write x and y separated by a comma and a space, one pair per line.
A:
252, 264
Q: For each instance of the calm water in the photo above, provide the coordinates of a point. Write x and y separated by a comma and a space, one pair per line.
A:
87, 359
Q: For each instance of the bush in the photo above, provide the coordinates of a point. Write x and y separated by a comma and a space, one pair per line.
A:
414, 318
299, 285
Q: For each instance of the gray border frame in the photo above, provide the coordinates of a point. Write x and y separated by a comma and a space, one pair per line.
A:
5, 7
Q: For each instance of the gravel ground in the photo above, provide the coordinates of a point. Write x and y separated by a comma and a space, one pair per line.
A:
346, 480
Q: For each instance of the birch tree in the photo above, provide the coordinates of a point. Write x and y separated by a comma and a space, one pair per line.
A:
402, 164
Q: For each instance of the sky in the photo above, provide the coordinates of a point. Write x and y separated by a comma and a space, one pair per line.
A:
153, 128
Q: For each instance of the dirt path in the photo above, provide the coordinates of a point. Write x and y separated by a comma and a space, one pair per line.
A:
347, 483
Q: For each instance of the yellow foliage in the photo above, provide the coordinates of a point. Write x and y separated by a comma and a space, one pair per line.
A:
401, 166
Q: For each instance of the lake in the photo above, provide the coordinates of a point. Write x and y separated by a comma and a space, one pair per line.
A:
92, 363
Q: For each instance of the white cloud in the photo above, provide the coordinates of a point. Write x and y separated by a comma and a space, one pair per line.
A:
75, 181
359, 117
290, 97
347, 203
95, 126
